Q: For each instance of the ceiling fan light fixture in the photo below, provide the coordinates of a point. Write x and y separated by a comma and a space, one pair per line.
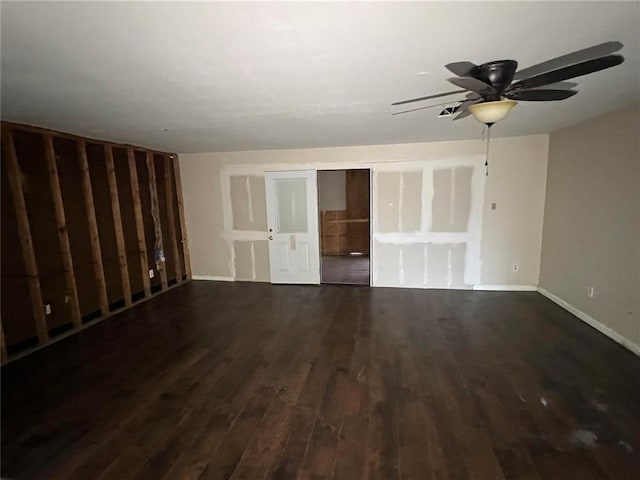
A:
491, 112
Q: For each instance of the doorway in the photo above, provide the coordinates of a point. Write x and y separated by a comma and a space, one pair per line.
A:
344, 217
293, 226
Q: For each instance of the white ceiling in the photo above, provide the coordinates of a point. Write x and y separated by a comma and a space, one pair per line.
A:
244, 76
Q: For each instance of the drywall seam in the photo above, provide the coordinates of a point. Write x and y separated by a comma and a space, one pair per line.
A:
227, 219
253, 261
425, 277
449, 278
400, 200
426, 237
589, 320
452, 194
427, 198
213, 278
247, 235
473, 259
249, 199
418, 286
506, 288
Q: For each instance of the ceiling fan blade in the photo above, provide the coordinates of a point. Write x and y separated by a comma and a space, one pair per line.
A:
462, 114
428, 97
463, 108
461, 69
596, 51
473, 96
572, 71
540, 95
464, 105
560, 86
470, 83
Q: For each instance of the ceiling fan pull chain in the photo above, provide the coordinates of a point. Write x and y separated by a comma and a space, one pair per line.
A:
486, 155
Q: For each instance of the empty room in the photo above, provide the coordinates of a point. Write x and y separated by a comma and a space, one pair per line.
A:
320, 240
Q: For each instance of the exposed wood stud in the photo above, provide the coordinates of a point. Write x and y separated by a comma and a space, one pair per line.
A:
137, 211
117, 225
63, 236
183, 225
24, 232
3, 346
96, 251
155, 213
95, 321
173, 242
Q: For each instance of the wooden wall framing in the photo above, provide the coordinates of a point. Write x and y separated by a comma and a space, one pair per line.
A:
59, 187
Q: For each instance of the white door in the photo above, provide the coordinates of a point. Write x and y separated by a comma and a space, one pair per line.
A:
292, 218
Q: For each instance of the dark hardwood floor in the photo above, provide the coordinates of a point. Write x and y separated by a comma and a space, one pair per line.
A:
222, 380
345, 269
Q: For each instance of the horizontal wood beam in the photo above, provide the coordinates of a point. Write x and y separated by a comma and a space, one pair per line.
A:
71, 136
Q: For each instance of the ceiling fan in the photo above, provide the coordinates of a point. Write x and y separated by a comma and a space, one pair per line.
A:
492, 89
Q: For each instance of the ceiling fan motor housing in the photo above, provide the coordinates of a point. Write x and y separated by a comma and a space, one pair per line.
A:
499, 74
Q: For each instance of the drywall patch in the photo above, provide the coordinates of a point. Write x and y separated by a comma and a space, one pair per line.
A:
438, 266
243, 260
252, 260
247, 203
461, 205
387, 258
261, 252
457, 254
411, 204
387, 202
451, 204
413, 265
258, 201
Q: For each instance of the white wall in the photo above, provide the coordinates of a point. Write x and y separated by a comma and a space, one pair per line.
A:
592, 222
510, 234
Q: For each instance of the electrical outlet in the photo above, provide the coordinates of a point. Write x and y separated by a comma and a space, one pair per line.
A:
515, 267
590, 292
47, 309
151, 273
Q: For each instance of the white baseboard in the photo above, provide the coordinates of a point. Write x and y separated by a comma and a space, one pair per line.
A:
213, 278
506, 288
589, 320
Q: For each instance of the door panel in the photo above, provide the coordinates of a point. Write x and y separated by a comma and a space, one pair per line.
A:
292, 200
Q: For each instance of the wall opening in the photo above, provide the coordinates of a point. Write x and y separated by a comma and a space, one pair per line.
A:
345, 233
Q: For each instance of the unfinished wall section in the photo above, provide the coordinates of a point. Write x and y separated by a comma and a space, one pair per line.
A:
427, 219
81, 223
247, 223
427, 222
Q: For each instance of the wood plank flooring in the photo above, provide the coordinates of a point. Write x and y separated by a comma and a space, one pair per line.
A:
253, 381
345, 269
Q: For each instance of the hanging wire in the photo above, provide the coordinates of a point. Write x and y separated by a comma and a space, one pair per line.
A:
158, 252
